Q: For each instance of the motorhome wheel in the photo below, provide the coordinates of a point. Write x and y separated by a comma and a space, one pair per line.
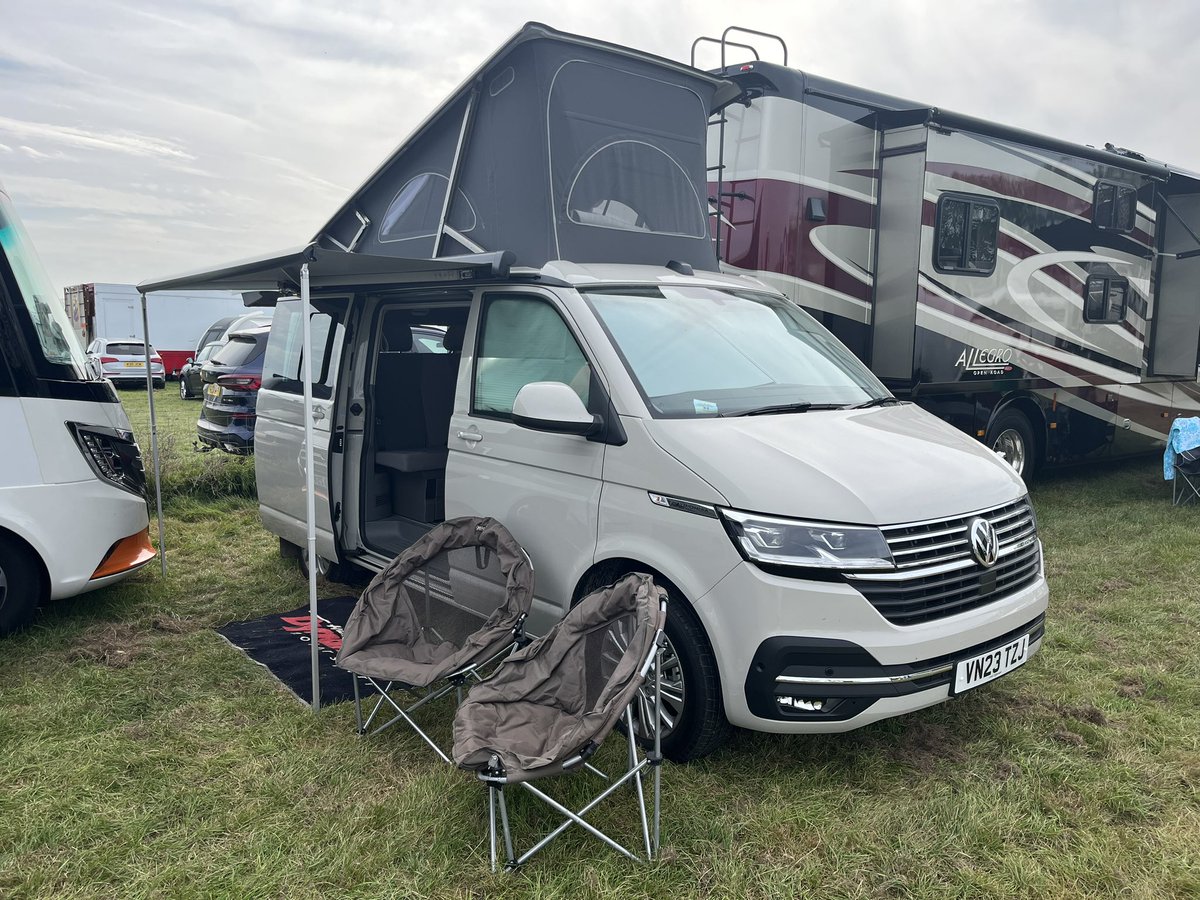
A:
19, 586
1011, 434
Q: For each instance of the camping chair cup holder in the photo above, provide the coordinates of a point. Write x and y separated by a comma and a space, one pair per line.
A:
548, 707
441, 613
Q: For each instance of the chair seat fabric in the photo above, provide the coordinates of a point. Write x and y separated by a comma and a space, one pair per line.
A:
549, 700
390, 636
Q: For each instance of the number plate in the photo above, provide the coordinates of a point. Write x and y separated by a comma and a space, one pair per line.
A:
989, 666
135, 365
213, 391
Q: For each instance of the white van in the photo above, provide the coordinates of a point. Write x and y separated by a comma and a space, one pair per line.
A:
72, 488
834, 556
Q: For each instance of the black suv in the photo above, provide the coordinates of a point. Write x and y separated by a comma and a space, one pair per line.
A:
230, 381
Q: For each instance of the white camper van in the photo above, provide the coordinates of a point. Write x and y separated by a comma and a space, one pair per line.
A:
834, 556
72, 505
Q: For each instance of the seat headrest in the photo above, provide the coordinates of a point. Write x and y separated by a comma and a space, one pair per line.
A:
453, 341
397, 335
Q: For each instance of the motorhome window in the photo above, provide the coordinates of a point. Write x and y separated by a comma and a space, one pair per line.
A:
416, 210
701, 352
1105, 299
1114, 206
522, 340
966, 234
283, 363
61, 350
634, 186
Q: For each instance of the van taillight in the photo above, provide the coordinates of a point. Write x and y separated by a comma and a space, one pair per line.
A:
243, 382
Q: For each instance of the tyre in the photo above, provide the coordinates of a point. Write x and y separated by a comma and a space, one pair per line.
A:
694, 723
1011, 434
184, 393
341, 573
160, 383
20, 585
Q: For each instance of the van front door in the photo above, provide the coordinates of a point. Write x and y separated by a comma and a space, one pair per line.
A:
544, 487
279, 453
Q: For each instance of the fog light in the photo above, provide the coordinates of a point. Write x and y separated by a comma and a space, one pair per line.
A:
801, 703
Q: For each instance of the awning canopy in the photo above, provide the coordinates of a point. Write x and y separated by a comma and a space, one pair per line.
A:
280, 271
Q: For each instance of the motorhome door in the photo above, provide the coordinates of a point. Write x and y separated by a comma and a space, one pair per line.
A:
279, 432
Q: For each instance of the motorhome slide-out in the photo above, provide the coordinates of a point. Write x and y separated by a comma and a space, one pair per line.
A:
72, 489
1037, 294
834, 556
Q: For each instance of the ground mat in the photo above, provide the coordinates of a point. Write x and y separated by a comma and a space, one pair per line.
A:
280, 642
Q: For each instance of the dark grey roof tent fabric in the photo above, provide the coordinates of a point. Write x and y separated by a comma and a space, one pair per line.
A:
450, 600
566, 690
571, 149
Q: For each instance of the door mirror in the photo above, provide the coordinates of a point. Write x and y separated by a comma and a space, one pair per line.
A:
553, 406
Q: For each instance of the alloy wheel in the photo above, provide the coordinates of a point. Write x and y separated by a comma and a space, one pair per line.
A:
674, 690
1012, 445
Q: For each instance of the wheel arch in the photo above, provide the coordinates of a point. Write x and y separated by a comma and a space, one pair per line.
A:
1028, 405
43, 571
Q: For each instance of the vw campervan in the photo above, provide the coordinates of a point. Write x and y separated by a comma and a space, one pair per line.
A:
834, 556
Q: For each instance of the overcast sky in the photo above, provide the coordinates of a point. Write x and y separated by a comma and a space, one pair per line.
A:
145, 138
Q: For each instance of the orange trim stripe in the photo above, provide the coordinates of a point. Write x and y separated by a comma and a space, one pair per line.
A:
127, 553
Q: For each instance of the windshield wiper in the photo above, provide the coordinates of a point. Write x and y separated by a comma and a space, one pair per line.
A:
878, 401
801, 407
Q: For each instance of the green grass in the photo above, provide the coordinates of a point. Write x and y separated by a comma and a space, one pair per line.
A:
143, 757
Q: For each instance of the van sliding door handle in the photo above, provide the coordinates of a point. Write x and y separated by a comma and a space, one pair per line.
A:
471, 437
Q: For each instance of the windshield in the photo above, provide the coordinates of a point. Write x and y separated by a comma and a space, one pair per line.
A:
59, 343
702, 352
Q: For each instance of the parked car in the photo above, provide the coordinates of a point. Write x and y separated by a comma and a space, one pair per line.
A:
215, 334
191, 386
231, 379
124, 362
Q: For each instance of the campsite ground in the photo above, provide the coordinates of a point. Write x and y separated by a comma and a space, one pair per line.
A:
142, 756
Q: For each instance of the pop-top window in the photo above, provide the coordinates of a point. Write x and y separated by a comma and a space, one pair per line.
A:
966, 234
1105, 299
1114, 206
635, 186
416, 210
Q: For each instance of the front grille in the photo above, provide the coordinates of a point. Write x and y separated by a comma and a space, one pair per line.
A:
936, 575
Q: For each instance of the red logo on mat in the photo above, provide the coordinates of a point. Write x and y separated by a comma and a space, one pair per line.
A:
329, 636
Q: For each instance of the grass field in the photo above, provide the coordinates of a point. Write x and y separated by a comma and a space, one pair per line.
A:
142, 757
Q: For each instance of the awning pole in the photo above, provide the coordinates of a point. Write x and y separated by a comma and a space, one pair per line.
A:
310, 502
162, 547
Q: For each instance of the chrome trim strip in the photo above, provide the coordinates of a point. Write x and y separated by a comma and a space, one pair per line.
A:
961, 517
942, 569
866, 679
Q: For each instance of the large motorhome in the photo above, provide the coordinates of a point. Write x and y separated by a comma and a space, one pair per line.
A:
1041, 295
833, 556
72, 490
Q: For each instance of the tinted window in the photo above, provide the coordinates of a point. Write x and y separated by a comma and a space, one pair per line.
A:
1105, 299
966, 234
240, 350
523, 340
283, 364
1114, 206
125, 349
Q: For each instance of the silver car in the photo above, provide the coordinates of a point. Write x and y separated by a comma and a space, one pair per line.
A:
124, 362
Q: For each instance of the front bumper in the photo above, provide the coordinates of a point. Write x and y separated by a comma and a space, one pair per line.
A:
763, 626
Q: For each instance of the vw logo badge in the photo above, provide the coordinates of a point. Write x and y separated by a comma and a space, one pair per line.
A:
985, 546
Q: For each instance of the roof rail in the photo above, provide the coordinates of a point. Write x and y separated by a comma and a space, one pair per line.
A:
724, 42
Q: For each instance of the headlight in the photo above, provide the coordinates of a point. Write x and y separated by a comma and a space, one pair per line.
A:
113, 455
814, 545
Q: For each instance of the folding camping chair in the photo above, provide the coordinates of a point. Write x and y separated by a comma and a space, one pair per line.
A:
1185, 486
441, 612
1181, 460
548, 706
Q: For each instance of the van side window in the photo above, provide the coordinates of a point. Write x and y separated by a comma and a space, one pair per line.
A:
1114, 206
966, 233
522, 340
1105, 298
283, 363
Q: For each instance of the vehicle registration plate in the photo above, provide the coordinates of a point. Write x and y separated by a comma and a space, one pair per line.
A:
213, 391
989, 666
135, 365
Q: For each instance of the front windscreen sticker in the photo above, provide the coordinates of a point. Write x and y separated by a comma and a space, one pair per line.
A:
704, 406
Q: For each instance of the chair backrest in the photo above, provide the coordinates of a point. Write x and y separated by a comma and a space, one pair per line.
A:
582, 674
451, 598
